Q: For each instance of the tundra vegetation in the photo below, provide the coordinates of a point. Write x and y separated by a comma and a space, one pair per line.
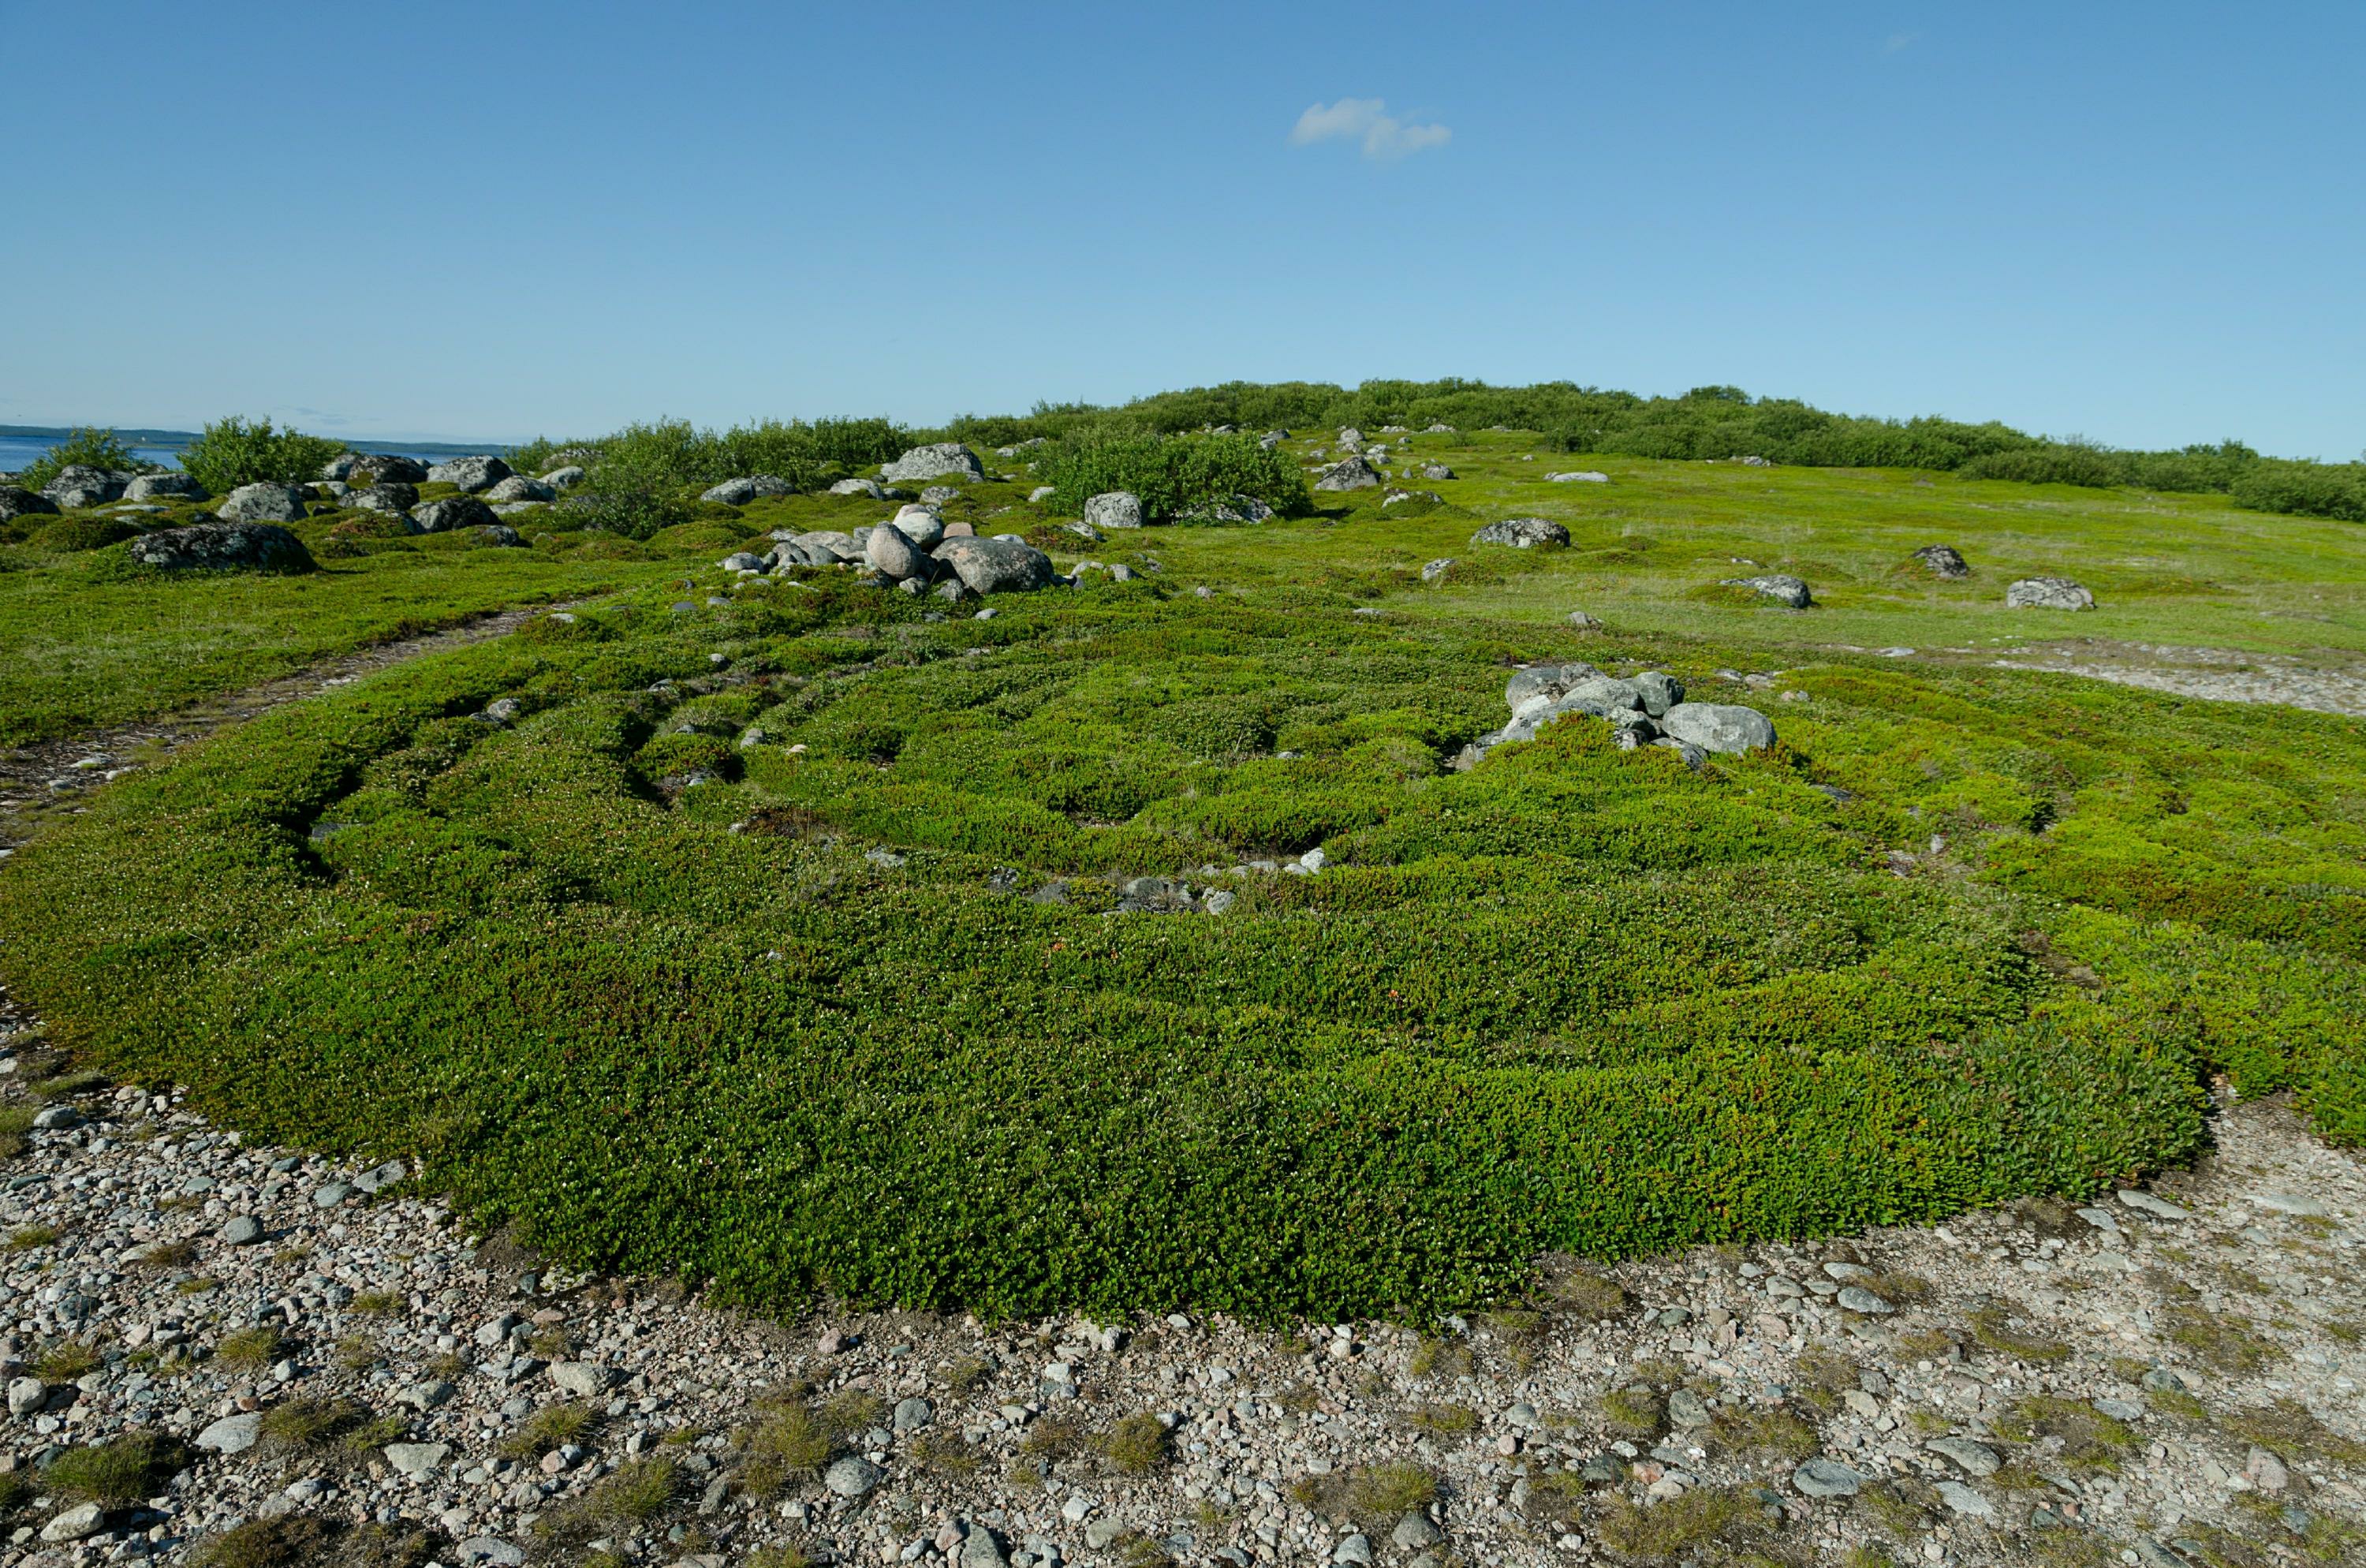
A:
789, 930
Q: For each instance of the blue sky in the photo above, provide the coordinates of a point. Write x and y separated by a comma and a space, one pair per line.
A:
2138, 223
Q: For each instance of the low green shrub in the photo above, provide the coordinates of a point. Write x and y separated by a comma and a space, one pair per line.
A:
89, 447
71, 535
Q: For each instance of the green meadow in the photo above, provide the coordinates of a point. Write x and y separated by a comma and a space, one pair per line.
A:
788, 941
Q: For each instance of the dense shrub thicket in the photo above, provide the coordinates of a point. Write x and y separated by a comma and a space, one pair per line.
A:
230, 452
1175, 476
679, 453
1716, 423
1577, 997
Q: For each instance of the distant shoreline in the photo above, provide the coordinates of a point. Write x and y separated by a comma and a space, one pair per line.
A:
174, 440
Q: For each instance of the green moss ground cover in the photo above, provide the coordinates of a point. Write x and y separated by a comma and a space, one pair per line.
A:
1576, 999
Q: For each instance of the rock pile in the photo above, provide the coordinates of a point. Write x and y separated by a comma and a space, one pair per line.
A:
916, 551
1645, 709
1943, 562
1350, 472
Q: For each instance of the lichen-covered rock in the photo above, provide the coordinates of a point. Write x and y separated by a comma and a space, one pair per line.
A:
2048, 594
264, 504
17, 503
389, 497
171, 485
935, 461
222, 546
750, 487
471, 474
1944, 561
387, 467
454, 512
517, 488
1779, 586
997, 566
1115, 509
1522, 534
1349, 473
1725, 727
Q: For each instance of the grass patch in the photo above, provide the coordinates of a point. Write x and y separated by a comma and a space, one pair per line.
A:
290, 1540
1709, 1523
304, 1426
1992, 1328
67, 1360
2223, 1340
25, 1238
2288, 1427
1768, 1430
250, 1349
115, 1474
1135, 1446
2087, 1438
552, 1427
1443, 1420
1633, 1413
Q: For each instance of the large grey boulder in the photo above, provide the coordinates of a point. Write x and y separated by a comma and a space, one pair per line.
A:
518, 486
2048, 594
852, 1477
471, 474
168, 486
391, 497
887, 550
452, 512
1779, 586
388, 467
566, 477
750, 487
232, 1434
222, 546
15, 502
1522, 532
997, 566
859, 487
935, 462
1579, 476
1661, 692
1725, 727
1544, 679
78, 485
341, 467
1350, 472
1944, 561
264, 504
1114, 509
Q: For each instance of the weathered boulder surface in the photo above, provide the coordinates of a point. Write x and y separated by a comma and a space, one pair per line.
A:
997, 566
1944, 561
170, 485
264, 504
935, 461
222, 547
1522, 532
2048, 594
455, 512
471, 474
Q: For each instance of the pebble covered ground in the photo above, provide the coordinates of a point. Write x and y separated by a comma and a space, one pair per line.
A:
245, 1356
2226, 675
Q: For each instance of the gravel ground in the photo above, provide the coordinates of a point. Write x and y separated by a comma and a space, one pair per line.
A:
2166, 1376
2220, 675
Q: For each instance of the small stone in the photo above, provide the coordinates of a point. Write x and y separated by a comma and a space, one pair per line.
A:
425, 1396
2146, 1203
416, 1459
911, 1414
232, 1434
328, 1196
1356, 1549
1687, 1408
1976, 1460
852, 1477
1827, 1478
2265, 1470
488, 1549
56, 1118
244, 1230
1963, 1500
1415, 1531
2290, 1204
77, 1523
584, 1380
1857, 1298
27, 1395
2120, 1409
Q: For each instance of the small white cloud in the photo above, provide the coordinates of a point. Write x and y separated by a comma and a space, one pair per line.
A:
1898, 41
1367, 119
